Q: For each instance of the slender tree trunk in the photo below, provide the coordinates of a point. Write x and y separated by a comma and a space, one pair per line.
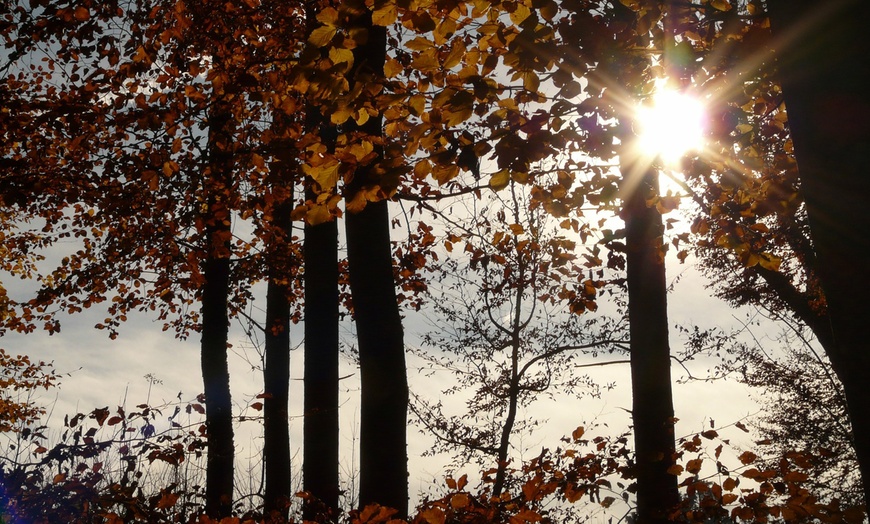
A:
652, 398
276, 373
509, 421
320, 433
825, 71
384, 384
215, 321
320, 428
514, 387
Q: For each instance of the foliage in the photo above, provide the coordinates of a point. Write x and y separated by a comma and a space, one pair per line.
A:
805, 410
110, 467
19, 379
502, 332
141, 130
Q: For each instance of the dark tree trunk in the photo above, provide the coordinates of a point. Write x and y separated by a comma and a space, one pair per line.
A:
320, 431
384, 384
276, 372
215, 320
652, 400
825, 71
320, 426
513, 387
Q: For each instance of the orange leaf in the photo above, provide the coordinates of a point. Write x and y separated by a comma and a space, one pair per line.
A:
82, 13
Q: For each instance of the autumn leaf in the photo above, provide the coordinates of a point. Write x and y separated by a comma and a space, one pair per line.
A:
340, 55
500, 179
167, 501
747, 457
385, 15
459, 501
326, 174
82, 13
694, 466
519, 15
721, 5
392, 68
322, 35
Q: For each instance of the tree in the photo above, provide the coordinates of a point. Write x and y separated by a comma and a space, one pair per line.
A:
320, 466
383, 379
503, 332
159, 147
824, 72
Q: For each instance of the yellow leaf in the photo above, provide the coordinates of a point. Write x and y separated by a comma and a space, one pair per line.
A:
328, 16
520, 14
417, 104
530, 80
360, 150
516, 229
500, 179
426, 62
722, 5
420, 44
361, 117
325, 174
768, 261
318, 215
340, 116
392, 68
386, 15
340, 55
577, 434
322, 35
454, 57
676, 469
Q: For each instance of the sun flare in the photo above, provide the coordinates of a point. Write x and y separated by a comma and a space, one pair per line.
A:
670, 126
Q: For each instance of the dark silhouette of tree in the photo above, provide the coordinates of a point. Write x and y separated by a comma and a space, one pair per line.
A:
383, 380
824, 73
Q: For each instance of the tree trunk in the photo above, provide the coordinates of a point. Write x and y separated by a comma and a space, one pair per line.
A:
384, 384
320, 426
652, 399
825, 72
320, 432
514, 386
276, 372
215, 320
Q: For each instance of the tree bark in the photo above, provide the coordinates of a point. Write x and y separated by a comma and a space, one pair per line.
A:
320, 431
384, 384
215, 319
822, 56
652, 397
276, 372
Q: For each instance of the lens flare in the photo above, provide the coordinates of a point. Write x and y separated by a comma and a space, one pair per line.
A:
670, 126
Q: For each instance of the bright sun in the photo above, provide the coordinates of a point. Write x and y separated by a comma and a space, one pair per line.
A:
670, 126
